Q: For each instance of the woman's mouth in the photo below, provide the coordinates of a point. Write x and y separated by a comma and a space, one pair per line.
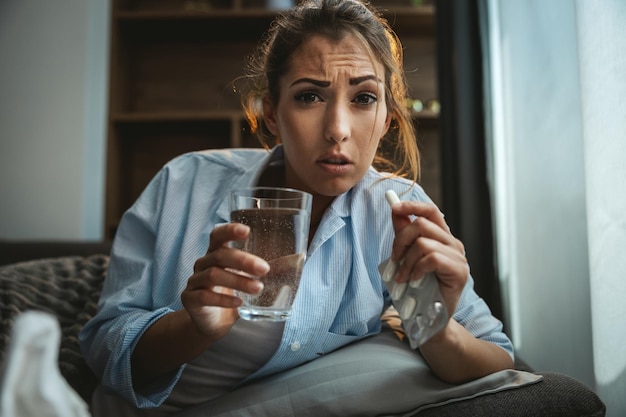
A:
334, 161
334, 165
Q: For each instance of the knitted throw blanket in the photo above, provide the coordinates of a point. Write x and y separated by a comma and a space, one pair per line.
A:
66, 287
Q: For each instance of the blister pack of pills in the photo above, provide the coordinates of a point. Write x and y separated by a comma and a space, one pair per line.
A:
419, 301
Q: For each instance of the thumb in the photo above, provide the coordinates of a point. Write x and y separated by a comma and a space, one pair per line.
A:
399, 221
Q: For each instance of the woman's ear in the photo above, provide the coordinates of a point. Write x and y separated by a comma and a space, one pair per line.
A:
269, 116
387, 123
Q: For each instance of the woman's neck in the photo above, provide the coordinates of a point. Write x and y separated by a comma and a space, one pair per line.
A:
274, 176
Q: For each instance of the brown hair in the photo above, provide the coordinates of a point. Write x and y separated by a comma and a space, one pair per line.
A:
336, 18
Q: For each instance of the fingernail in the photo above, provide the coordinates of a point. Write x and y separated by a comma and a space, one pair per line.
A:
415, 283
262, 266
241, 229
258, 286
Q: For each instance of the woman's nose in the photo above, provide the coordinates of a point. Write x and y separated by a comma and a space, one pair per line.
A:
337, 122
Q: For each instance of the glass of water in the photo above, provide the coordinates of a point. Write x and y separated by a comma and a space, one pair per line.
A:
279, 220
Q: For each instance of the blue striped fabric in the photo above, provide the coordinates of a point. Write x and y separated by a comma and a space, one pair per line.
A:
340, 299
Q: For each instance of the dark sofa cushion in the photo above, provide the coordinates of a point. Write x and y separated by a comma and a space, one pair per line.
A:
14, 251
66, 287
557, 395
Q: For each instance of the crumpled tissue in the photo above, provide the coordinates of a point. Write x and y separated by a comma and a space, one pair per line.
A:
32, 384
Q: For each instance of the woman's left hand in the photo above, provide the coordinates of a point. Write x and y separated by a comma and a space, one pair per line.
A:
427, 245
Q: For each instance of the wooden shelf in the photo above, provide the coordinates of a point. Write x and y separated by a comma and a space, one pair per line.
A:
170, 88
405, 20
174, 116
199, 14
423, 13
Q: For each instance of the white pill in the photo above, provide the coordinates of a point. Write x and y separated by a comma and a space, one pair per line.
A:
392, 197
390, 271
398, 291
408, 306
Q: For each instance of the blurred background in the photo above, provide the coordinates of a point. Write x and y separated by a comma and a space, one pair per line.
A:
520, 109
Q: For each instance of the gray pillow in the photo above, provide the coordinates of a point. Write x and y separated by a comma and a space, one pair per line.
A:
378, 376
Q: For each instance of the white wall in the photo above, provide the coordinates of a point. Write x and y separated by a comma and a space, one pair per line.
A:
52, 109
560, 180
602, 44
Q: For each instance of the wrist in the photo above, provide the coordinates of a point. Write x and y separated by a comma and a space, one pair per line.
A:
191, 332
449, 338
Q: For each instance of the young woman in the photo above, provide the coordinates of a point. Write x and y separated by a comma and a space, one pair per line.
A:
327, 90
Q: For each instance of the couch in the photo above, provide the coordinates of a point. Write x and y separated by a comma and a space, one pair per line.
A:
64, 278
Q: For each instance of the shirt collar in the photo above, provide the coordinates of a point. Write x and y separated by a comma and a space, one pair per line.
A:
249, 176
340, 207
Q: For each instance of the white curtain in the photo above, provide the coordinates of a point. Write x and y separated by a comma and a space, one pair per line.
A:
602, 63
557, 72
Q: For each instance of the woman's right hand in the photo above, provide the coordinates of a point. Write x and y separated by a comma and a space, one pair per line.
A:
209, 296
210, 307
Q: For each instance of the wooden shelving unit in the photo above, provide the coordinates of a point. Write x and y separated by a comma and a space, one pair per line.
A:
172, 67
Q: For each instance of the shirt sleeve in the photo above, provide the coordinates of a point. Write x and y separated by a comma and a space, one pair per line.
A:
473, 313
125, 308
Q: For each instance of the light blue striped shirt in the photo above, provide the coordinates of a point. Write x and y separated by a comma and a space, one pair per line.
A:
340, 299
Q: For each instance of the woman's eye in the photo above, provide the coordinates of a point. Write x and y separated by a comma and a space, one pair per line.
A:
307, 97
366, 98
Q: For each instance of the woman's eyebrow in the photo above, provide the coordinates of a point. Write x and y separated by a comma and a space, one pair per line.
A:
320, 83
359, 80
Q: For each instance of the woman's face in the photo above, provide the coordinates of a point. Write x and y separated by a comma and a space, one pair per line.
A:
330, 116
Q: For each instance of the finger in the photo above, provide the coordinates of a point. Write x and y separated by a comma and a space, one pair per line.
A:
451, 274
216, 286
227, 257
203, 297
420, 227
399, 221
429, 255
223, 281
221, 235
410, 209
